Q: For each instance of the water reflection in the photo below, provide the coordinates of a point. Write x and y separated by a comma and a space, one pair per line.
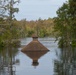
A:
35, 55
65, 64
14, 62
8, 61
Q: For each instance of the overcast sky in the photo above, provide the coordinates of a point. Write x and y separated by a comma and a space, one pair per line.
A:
35, 9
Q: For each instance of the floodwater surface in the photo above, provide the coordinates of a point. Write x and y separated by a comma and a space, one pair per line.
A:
58, 61
46, 62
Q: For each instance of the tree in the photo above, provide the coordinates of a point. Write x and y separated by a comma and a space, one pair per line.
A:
62, 26
65, 23
72, 16
2, 7
10, 30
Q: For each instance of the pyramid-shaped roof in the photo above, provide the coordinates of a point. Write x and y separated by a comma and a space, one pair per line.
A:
34, 45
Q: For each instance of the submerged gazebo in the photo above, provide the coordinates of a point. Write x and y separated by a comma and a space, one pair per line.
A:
35, 50
34, 45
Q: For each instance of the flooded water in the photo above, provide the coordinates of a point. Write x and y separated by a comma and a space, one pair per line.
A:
54, 62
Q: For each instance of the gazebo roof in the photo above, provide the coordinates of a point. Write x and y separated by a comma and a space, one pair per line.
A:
34, 45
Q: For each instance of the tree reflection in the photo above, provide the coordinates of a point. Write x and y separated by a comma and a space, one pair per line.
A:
65, 64
7, 61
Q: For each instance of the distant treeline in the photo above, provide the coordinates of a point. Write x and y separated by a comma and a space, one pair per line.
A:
23, 28
42, 28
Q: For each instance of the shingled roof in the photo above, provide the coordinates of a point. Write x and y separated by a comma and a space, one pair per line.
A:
34, 45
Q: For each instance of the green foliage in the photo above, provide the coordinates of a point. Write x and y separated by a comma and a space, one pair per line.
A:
8, 34
9, 31
65, 23
30, 33
43, 28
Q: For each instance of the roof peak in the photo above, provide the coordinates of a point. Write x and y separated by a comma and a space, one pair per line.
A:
35, 37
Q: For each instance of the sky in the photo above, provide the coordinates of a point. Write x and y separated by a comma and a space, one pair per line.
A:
35, 9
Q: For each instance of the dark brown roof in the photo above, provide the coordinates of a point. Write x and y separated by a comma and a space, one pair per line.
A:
34, 45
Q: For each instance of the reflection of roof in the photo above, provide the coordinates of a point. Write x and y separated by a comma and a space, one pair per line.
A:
35, 55
34, 45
